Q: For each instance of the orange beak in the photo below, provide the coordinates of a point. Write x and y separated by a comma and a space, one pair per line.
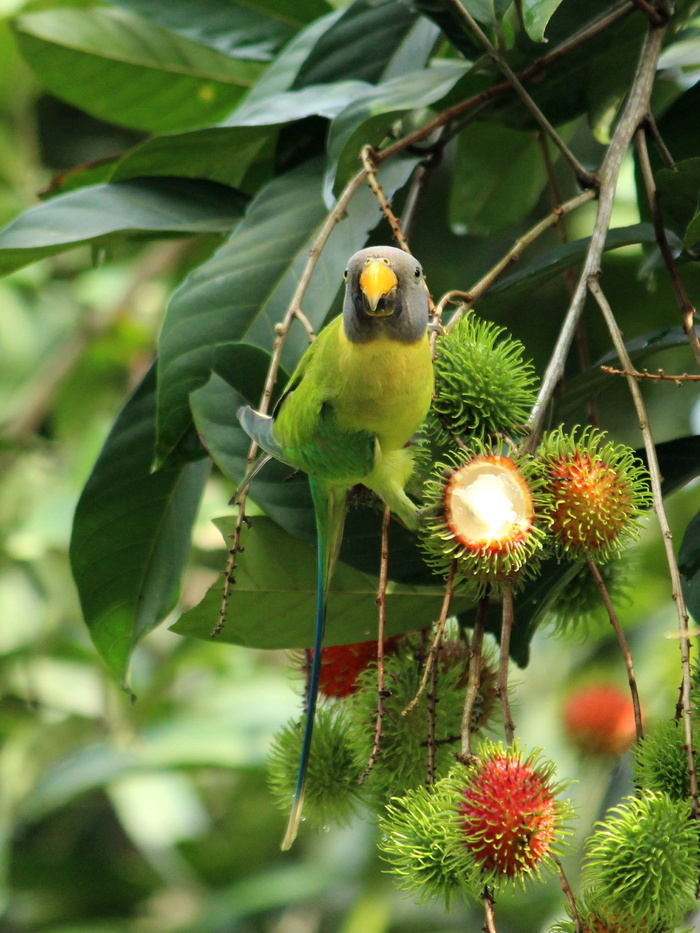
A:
377, 281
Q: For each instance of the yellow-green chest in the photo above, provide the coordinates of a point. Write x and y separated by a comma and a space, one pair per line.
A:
383, 386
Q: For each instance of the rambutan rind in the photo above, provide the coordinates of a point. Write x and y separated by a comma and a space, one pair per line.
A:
482, 510
597, 490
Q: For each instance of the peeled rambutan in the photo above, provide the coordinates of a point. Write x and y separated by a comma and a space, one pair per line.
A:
598, 491
599, 720
510, 815
481, 513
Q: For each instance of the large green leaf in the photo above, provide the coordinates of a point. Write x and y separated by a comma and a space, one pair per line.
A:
241, 29
499, 175
131, 533
447, 18
273, 601
124, 69
362, 43
242, 292
99, 213
225, 153
551, 263
368, 118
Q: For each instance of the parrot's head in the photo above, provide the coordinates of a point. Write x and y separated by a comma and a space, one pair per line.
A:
385, 295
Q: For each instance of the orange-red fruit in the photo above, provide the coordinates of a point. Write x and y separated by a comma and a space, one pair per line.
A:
509, 815
599, 720
593, 501
341, 666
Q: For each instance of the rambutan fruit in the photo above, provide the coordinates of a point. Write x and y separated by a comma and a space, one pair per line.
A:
577, 608
599, 720
341, 665
642, 862
482, 384
598, 492
661, 760
510, 816
333, 791
480, 511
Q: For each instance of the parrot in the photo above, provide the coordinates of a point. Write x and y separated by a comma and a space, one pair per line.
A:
360, 392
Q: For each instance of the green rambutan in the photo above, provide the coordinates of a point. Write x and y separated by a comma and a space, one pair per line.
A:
578, 609
481, 511
661, 760
333, 791
598, 491
483, 387
417, 839
402, 762
642, 862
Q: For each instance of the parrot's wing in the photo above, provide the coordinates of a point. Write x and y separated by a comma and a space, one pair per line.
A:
259, 429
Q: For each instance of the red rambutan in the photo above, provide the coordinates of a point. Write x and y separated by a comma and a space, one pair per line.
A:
599, 720
341, 665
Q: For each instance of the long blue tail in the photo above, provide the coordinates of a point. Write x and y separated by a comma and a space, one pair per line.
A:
330, 505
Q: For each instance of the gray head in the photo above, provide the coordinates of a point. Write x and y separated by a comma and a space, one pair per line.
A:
384, 295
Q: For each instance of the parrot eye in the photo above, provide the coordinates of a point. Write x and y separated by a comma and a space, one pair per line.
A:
417, 272
345, 275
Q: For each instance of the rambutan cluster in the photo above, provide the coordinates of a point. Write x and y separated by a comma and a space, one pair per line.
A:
339, 781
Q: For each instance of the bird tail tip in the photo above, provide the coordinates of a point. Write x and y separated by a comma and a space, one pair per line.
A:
294, 821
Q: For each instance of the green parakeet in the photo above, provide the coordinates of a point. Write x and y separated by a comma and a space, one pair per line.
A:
359, 393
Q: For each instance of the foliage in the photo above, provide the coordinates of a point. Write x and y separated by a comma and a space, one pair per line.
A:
210, 151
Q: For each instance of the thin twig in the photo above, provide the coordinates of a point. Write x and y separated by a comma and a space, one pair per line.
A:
624, 647
649, 11
487, 899
506, 629
381, 624
685, 306
655, 475
467, 299
658, 376
474, 682
657, 139
634, 111
367, 157
584, 356
229, 571
586, 179
432, 744
569, 895
431, 660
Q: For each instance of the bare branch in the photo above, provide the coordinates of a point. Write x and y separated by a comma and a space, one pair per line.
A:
655, 474
658, 376
634, 112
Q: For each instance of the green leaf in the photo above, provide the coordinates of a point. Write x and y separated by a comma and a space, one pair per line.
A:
552, 262
361, 44
240, 29
367, 120
244, 289
131, 533
446, 17
679, 196
99, 213
273, 601
536, 16
689, 566
591, 383
498, 177
121, 68
218, 153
